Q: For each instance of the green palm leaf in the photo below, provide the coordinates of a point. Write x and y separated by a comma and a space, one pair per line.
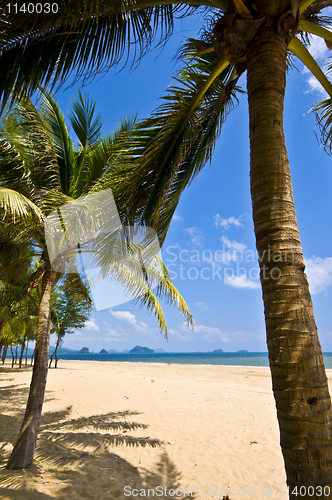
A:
18, 205
174, 144
48, 167
55, 123
87, 36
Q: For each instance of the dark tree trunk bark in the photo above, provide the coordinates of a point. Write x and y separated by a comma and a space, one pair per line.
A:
4, 354
13, 356
22, 351
33, 355
52, 355
23, 452
55, 353
298, 375
26, 353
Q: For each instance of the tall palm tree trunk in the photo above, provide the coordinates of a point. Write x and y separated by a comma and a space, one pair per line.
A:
4, 354
296, 361
59, 338
23, 452
22, 350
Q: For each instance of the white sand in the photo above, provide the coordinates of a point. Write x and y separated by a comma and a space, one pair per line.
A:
107, 426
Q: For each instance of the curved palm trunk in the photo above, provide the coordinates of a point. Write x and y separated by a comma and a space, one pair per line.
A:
13, 355
298, 375
23, 452
55, 353
26, 353
22, 350
4, 354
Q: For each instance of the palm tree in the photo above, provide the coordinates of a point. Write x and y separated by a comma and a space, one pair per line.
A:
40, 170
70, 308
254, 36
18, 308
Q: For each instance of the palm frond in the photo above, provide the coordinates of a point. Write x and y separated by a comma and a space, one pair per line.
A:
18, 206
174, 144
13, 173
29, 135
85, 123
61, 141
87, 36
128, 274
323, 111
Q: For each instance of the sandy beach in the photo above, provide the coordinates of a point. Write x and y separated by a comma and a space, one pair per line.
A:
134, 430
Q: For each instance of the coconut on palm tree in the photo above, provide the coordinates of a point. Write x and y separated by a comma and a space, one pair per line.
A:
41, 170
252, 36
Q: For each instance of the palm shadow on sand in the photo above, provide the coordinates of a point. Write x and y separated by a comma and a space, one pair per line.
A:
75, 457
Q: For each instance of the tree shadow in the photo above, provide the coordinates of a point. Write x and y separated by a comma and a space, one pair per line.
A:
76, 457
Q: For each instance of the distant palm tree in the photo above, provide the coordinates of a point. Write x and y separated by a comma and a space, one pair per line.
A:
18, 308
70, 309
40, 170
254, 36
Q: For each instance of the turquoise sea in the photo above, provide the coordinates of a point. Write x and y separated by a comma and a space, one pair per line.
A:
186, 358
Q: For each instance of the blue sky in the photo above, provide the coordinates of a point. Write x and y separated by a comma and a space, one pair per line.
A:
210, 247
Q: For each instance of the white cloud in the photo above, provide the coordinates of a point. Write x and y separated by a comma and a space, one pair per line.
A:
201, 305
177, 217
90, 324
319, 272
319, 52
197, 237
211, 333
130, 318
317, 48
112, 334
235, 250
124, 316
240, 282
315, 87
186, 333
226, 223
233, 245
141, 327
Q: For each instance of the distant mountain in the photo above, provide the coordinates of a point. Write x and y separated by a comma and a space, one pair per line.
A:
242, 350
84, 350
126, 351
103, 351
218, 351
141, 350
159, 350
112, 351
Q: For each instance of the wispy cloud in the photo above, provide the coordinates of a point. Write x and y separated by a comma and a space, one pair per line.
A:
197, 237
319, 272
111, 334
90, 324
317, 48
233, 244
319, 52
240, 282
216, 335
202, 306
184, 333
211, 331
226, 223
130, 318
124, 316
177, 217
